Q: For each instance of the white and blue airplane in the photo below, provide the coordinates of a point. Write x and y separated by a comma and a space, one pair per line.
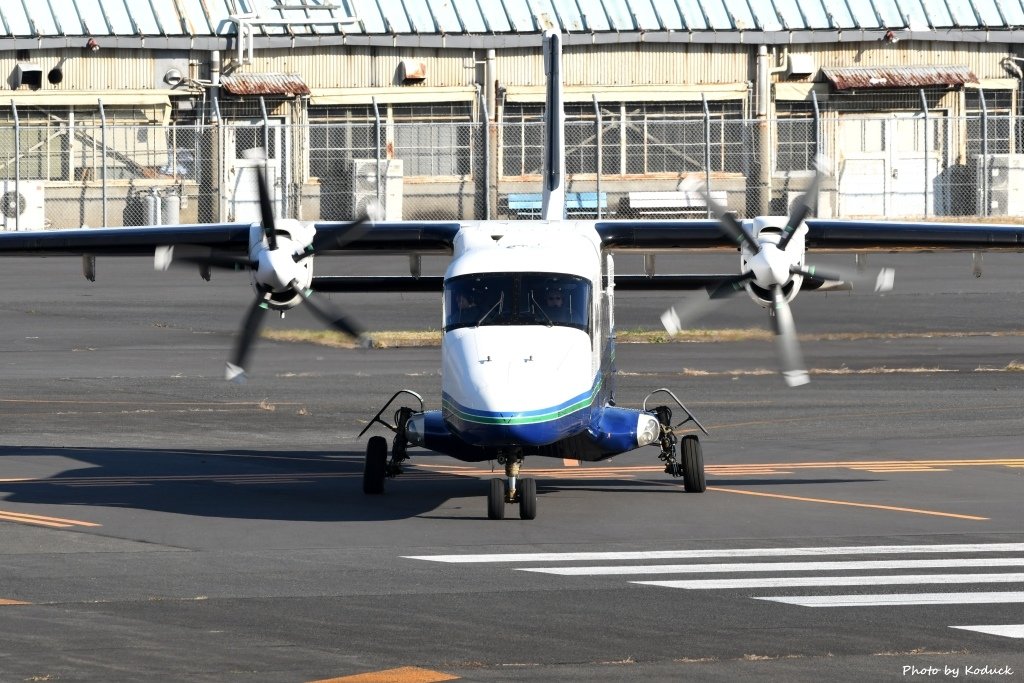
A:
528, 346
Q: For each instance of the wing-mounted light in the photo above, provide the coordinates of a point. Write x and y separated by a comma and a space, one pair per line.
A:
772, 271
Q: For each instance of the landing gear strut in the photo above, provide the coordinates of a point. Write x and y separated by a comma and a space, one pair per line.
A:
691, 466
513, 490
377, 466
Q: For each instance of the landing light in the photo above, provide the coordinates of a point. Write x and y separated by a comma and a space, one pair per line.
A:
414, 430
647, 430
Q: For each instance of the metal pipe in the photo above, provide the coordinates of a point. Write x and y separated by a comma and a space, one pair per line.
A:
924, 109
485, 132
986, 200
215, 81
103, 146
17, 165
489, 82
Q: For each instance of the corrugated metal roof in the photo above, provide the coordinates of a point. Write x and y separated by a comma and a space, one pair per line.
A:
719, 20
851, 78
264, 84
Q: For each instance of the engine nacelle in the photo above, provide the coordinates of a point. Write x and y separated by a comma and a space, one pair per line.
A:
767, 230
277, 270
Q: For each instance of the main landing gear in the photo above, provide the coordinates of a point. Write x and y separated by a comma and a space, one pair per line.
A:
691, 465
377, 467
514, 490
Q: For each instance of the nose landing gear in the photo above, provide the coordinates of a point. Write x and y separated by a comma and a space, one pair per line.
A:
513, 490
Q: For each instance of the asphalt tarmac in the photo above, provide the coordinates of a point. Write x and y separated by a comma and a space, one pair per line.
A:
158, 523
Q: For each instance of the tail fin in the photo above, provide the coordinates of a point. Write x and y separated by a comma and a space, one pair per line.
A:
553, 204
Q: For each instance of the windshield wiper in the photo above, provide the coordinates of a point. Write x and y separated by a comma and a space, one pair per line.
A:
551, 322
496, 305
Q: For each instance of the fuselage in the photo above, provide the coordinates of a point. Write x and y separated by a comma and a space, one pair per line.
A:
525, 323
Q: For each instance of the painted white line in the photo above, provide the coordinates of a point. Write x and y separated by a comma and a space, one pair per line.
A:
898, 599
718, 568
725, 552
790, 581
1004, 630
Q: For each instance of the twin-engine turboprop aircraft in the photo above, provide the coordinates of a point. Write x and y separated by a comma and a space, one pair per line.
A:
528, 345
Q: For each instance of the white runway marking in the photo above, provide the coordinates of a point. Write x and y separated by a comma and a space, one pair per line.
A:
881, 580
724, 552
1004, 630
774, 567
897, 599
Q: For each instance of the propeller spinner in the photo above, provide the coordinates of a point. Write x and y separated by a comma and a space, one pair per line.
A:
771, 264
279, 260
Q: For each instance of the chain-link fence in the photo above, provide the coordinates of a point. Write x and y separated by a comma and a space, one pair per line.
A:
910, 164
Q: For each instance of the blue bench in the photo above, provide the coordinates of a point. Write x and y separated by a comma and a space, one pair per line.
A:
527, 205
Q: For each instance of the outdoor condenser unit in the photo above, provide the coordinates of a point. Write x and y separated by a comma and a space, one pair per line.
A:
21, 205
364, 187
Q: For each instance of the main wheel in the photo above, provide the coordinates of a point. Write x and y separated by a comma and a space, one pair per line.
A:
693, 465
496, 500
375, 466
527, 498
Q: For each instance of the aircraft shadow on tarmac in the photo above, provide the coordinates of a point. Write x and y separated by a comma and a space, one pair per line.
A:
277, 485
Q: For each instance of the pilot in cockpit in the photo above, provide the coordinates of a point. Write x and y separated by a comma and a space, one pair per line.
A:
555, 305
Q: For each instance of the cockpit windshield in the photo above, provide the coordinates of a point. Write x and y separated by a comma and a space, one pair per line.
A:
517, 299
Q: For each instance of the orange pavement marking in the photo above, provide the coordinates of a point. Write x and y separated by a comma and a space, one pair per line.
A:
405, 674
851, 504
7, 601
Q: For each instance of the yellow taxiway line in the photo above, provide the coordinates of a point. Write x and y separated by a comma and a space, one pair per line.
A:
40, 520
890, 508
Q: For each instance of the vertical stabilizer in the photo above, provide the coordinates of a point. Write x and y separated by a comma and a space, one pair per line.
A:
553, 206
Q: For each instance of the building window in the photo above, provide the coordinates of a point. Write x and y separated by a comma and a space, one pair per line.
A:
997, 128
635, 138
434, 139
431, 140
796, 143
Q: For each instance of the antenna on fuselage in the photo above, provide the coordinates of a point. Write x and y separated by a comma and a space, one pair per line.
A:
553, 202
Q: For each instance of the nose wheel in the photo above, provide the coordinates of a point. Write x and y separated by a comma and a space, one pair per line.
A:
512, 491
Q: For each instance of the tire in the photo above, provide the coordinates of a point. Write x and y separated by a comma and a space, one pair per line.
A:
693, 465
527, 498
496, 500
375, 466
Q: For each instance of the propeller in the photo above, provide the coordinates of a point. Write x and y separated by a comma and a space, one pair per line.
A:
771, 265
280, 274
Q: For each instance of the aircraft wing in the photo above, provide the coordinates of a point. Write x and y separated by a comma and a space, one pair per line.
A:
396, 237
822, 234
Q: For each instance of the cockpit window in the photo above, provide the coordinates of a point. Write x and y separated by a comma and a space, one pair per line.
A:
517, 299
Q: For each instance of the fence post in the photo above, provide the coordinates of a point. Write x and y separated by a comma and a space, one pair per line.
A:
986, 201
266, 159
707, 149
924, 109
597, 139
817, 150
376, 139
17, 165
103, 149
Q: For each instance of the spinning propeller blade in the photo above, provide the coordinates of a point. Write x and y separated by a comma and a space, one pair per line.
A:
801, 209
251, 326
786, 343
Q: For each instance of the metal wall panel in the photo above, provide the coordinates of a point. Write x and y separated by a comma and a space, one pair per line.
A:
360, 68
650, 63
95, 71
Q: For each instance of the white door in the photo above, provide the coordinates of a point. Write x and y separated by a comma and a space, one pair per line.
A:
883, 167
248, 151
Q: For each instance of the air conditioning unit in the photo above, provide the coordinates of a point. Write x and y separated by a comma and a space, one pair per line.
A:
1000, 179
366, 173
21, 205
